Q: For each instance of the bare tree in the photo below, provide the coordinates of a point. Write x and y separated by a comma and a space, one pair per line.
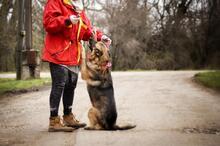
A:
146, 34
7, 37
213, 34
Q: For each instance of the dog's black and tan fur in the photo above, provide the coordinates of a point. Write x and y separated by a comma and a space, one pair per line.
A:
96, 72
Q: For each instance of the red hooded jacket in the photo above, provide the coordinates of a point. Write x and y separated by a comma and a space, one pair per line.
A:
62, 39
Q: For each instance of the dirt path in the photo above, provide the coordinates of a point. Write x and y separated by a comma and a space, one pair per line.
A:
168, 108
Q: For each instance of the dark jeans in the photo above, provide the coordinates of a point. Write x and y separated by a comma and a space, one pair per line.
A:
63, 85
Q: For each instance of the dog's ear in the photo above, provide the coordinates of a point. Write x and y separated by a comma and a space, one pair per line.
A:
92, 43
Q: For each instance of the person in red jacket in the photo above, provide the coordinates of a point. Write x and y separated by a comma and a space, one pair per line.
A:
66, 25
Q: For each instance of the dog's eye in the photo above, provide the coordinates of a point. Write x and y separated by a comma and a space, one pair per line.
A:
98, 52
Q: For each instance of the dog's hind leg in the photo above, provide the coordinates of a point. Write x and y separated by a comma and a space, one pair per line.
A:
94, 116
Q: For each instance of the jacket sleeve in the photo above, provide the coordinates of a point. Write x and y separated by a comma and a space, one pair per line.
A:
53, 20
99, 35
89, 32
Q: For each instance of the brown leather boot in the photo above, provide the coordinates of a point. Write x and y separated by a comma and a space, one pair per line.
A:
71, 121
55, 125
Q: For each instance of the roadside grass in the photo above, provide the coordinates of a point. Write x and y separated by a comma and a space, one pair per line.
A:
209, 79
6, 72
13, 85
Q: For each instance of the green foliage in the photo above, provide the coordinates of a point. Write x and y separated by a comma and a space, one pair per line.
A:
15, 85
209, 79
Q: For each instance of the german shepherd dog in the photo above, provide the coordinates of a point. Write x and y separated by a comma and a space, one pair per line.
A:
95, 70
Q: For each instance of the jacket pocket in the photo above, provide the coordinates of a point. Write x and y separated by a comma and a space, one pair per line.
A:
62, 50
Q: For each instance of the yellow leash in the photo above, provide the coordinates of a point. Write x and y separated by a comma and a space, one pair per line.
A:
81, 24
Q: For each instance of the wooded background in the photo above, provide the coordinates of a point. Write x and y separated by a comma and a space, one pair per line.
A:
146, 34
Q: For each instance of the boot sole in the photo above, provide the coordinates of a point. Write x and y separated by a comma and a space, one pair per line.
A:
60, 130
74, 126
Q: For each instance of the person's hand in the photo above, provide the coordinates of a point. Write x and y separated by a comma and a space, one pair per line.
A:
74, 19
106, 40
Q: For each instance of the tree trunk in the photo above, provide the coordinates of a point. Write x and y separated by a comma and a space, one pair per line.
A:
5, 41
213, 35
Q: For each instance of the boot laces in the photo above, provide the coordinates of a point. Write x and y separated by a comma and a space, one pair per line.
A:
74, 118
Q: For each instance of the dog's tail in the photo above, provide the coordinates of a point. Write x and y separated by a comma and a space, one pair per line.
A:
116, 127
124, 127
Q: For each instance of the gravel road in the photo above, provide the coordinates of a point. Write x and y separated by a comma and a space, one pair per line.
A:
168, 108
